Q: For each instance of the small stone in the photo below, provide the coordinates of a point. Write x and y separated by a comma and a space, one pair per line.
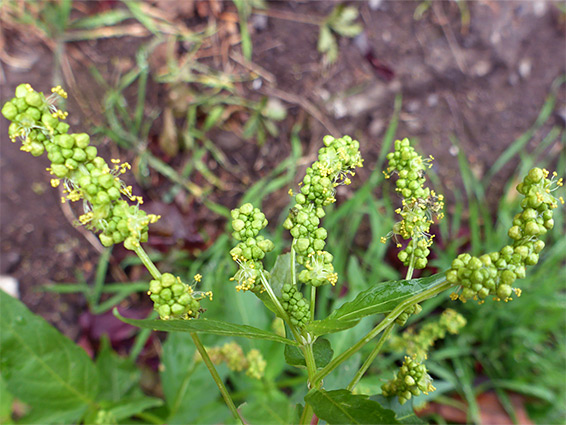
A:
10, 285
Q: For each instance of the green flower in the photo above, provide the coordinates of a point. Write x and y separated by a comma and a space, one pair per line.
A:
495, 273
174, 299
411, 379
420, 204
86, 177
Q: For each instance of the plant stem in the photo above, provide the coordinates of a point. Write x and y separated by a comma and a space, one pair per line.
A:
412, 262
151, 268
313, 301
216, 377
388, 320
157, 275
370, 358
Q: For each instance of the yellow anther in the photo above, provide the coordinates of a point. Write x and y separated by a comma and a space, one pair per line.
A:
198, 277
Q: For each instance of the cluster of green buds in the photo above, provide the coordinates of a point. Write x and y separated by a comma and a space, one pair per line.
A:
495, 273
403, 317
420, 204
174, 299
411, 379
247, 222
37, 122
295, 305
232, 354
336, 162
418, 344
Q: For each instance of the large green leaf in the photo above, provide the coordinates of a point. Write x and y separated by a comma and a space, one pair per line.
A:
42, 367
216, 327
321, 349
403, 412
191, 394
380, 298
119, 376
343, 407
272, 407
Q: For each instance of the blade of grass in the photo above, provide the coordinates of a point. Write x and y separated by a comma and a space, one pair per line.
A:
521, 141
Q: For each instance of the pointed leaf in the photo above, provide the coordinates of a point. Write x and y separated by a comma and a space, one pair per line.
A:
343, 407
380, 298
42, 367
128, 407
272, 407
118, 375
403, 412
281, 273
216, 327
328, 326
322, 351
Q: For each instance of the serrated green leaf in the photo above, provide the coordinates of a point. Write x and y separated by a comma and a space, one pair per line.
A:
384, 297
404, 413
271, 408
191, 394
42, 367
215, 327
322, 351
118, 375
128, 407
343, 407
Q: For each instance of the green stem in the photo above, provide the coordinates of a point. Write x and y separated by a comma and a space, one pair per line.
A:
157, 275
149, 418
313, 301
151, 268
370, 358
292, 265
387, 321
411, 262
216, 377
385, 335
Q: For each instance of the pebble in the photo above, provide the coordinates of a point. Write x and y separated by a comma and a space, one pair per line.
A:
10, 285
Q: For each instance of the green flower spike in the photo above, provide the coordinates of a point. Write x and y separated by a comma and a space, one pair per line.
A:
495, 273
418, 344
174, 299
336, 163
295, 305
420, 204
36, 122
411, 379
232, 354
247, 222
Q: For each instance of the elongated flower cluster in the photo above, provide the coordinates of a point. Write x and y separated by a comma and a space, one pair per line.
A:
336, 162
247, 222
495, 273
36, 121
295, 305
403, 317
174, 299
232, 354
411, 379
420, 203
418, 344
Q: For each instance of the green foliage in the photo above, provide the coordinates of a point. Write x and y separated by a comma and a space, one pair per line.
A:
343, 407
47, 371
342, 22
375, 300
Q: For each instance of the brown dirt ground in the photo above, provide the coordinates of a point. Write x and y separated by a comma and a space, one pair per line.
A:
485, 86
